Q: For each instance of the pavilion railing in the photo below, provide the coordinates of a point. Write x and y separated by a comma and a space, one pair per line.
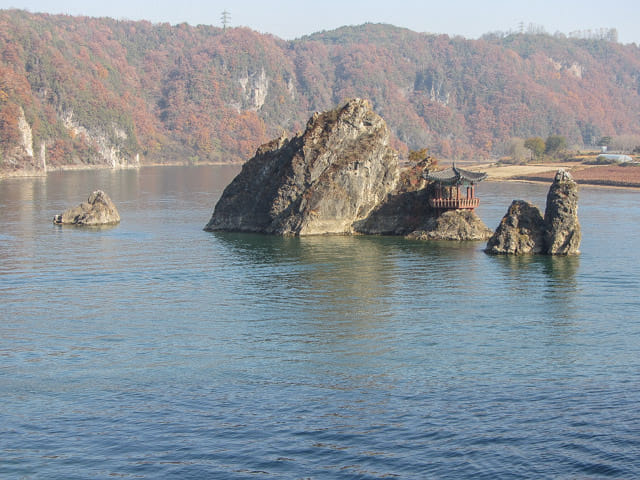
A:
454, 203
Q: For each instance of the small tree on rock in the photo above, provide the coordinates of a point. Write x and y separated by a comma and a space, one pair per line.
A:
421, 162
416, 156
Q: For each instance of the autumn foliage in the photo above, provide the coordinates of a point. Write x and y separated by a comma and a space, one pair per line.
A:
198, 93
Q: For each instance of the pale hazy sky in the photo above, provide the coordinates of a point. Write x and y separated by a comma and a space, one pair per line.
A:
290, 19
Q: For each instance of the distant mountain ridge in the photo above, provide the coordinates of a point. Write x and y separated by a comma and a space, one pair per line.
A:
85, 91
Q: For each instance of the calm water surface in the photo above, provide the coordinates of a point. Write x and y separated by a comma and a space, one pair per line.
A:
154, 349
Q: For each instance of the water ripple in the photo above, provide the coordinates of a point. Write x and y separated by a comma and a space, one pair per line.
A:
157, 350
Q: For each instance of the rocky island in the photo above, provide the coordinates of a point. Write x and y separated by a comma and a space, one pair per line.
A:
97, 210
523, 230
339, 176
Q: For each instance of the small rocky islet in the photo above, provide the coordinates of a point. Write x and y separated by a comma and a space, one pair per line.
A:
340, 176
98, 210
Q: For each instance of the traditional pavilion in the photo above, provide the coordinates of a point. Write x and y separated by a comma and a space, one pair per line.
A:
447, 193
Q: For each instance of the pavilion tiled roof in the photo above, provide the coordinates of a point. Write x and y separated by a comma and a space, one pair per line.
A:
454, 175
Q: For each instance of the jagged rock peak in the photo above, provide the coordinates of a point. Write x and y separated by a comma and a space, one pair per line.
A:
562, 228
523, 229
322, 181
97, 210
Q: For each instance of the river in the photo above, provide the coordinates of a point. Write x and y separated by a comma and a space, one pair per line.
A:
153, 349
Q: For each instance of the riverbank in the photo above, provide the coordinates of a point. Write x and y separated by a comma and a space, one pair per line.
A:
33, 173
597, 175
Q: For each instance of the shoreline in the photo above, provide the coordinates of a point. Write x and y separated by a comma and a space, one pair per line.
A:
544, 173
4, 175
532, 173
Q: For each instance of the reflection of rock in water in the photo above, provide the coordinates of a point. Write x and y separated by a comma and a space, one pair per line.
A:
562, 286
335, 277
551, 278
562, 269
325, 296
556, 268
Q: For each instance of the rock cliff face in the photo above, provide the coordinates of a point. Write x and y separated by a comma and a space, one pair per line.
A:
322, 181
97, 210
26, 133
523, 230
106, 141
399, 214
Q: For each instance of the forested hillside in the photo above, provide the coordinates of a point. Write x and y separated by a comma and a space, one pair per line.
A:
76, 90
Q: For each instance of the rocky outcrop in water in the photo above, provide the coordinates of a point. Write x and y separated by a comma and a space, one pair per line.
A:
339, 177
322, 181
407, 212
453, 225
97, 210
562, 228
521, 231
524, 230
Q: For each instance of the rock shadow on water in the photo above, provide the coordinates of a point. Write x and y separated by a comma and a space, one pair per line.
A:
62, 227
330, 294
554, 279
342, 266
557, 268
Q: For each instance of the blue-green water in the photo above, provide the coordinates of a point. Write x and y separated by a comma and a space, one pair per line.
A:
154, 349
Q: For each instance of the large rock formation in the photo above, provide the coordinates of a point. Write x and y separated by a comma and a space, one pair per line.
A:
97, 210
339, 177
562, 229
523, 229
322, 181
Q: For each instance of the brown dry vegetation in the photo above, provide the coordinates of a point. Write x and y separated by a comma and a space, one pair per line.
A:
611, 175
